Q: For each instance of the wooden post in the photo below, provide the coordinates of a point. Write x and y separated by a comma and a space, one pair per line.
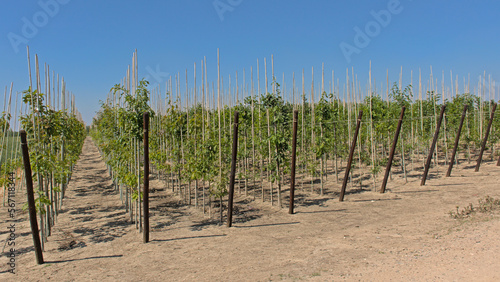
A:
486, 137
351, 154
431, 150
393, 149
233, 171
457, 139
145, 201
31, 199
294, 157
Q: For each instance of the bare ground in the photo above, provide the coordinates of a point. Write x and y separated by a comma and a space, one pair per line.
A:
405, 234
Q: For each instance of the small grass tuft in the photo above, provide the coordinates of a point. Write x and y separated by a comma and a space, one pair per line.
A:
486, 205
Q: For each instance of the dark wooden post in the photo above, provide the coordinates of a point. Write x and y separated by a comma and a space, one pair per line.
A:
431, 150
146, 178
457, 139
483, 146
31, 199
393, 149
233, 171
294, 157
351, 154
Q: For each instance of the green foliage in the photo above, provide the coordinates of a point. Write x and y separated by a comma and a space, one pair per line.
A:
131, 116
55, 140
401, 97
41, 201
4, 122
50, 131
117, 131
280, 133
184, 141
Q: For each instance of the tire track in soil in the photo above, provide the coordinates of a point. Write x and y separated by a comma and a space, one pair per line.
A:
91, 212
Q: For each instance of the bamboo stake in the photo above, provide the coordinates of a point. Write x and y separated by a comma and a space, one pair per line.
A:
444, 125
371, 128
303, 123
253, 132
218, 112
260, 133
196, 137
187, 135
269, 156
292, 173
313, 143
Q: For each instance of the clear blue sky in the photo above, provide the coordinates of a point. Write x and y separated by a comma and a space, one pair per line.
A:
91, 42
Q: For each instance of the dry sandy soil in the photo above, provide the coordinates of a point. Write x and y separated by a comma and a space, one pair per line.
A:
406, 234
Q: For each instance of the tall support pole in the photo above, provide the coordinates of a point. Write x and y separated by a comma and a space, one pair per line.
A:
233, 171
31, 199
351, 154
393, 149
294, 157
431, 150
145, 202
457, 139
483, 146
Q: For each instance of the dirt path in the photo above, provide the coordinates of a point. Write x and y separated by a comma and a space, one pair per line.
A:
405, 234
